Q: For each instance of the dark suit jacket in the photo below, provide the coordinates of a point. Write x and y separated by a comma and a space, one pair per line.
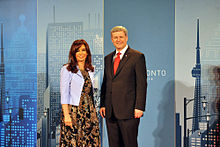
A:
126, 90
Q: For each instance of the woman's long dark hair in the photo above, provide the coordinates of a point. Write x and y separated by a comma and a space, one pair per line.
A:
72, 62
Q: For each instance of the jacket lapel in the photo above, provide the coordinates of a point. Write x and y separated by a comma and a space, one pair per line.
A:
91, 75
110, 64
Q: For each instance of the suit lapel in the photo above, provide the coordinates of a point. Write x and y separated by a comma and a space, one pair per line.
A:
110, 64
79, 73
122, 62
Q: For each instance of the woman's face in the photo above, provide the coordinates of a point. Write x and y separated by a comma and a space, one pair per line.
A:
81, 54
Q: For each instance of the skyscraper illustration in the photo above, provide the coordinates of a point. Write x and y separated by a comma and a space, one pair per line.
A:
21, 84
210, 86
204, 125
2, 72
198, 122
41, 84
210, 59
18, 127
196, 73
178, 130
21, 67
21, 129
59, 40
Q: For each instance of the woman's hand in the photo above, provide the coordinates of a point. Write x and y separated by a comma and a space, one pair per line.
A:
68, 121
67, 118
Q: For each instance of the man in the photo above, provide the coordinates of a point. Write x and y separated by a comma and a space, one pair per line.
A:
123, 93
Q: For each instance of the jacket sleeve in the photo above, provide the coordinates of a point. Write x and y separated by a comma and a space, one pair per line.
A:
103, 90
141, 83
65, 78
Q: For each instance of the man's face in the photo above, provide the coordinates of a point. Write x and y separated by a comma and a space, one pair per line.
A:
119, 40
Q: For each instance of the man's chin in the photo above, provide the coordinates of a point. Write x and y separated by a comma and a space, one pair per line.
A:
119, 48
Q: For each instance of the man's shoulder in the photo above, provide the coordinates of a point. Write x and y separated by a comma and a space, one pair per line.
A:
135, 52
109, 55
129, 50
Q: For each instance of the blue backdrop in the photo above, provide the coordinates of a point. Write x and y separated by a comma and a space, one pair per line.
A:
18, 73
150, 27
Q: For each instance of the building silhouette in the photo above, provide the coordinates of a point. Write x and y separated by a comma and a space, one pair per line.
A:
2, 72
21, 130
20, 88
196, 73
205, 127
199, 124
2, 107
95, 40
213, 136
210, 86
210, 60
59, 40
41, 84
208, 133
41, 132
178, 130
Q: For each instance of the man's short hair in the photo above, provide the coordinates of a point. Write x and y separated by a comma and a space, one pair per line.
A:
118, 29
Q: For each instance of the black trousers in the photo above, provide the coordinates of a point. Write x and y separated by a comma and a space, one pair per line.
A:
122, 133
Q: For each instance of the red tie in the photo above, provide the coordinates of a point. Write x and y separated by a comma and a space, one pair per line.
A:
117, 61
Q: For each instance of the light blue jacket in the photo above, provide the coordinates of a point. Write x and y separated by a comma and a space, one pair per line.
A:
71, 85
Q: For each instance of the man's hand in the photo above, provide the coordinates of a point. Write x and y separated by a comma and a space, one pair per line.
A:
138, 113
102, 112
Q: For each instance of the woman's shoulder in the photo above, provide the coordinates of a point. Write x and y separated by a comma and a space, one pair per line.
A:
64, 69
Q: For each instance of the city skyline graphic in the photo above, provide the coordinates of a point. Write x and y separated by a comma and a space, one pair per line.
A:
35, 45
18, 74
204, 130
59, 37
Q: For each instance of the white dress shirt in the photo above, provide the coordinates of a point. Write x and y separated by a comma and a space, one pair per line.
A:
122, 52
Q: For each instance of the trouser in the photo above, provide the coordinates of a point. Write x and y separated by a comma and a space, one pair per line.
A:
122, 133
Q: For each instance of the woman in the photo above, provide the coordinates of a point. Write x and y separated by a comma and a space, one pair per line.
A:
79, 122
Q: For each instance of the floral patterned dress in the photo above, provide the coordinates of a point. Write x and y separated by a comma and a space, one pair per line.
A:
85, 132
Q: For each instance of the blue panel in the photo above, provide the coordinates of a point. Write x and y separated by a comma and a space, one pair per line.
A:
150, 27
18, 73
